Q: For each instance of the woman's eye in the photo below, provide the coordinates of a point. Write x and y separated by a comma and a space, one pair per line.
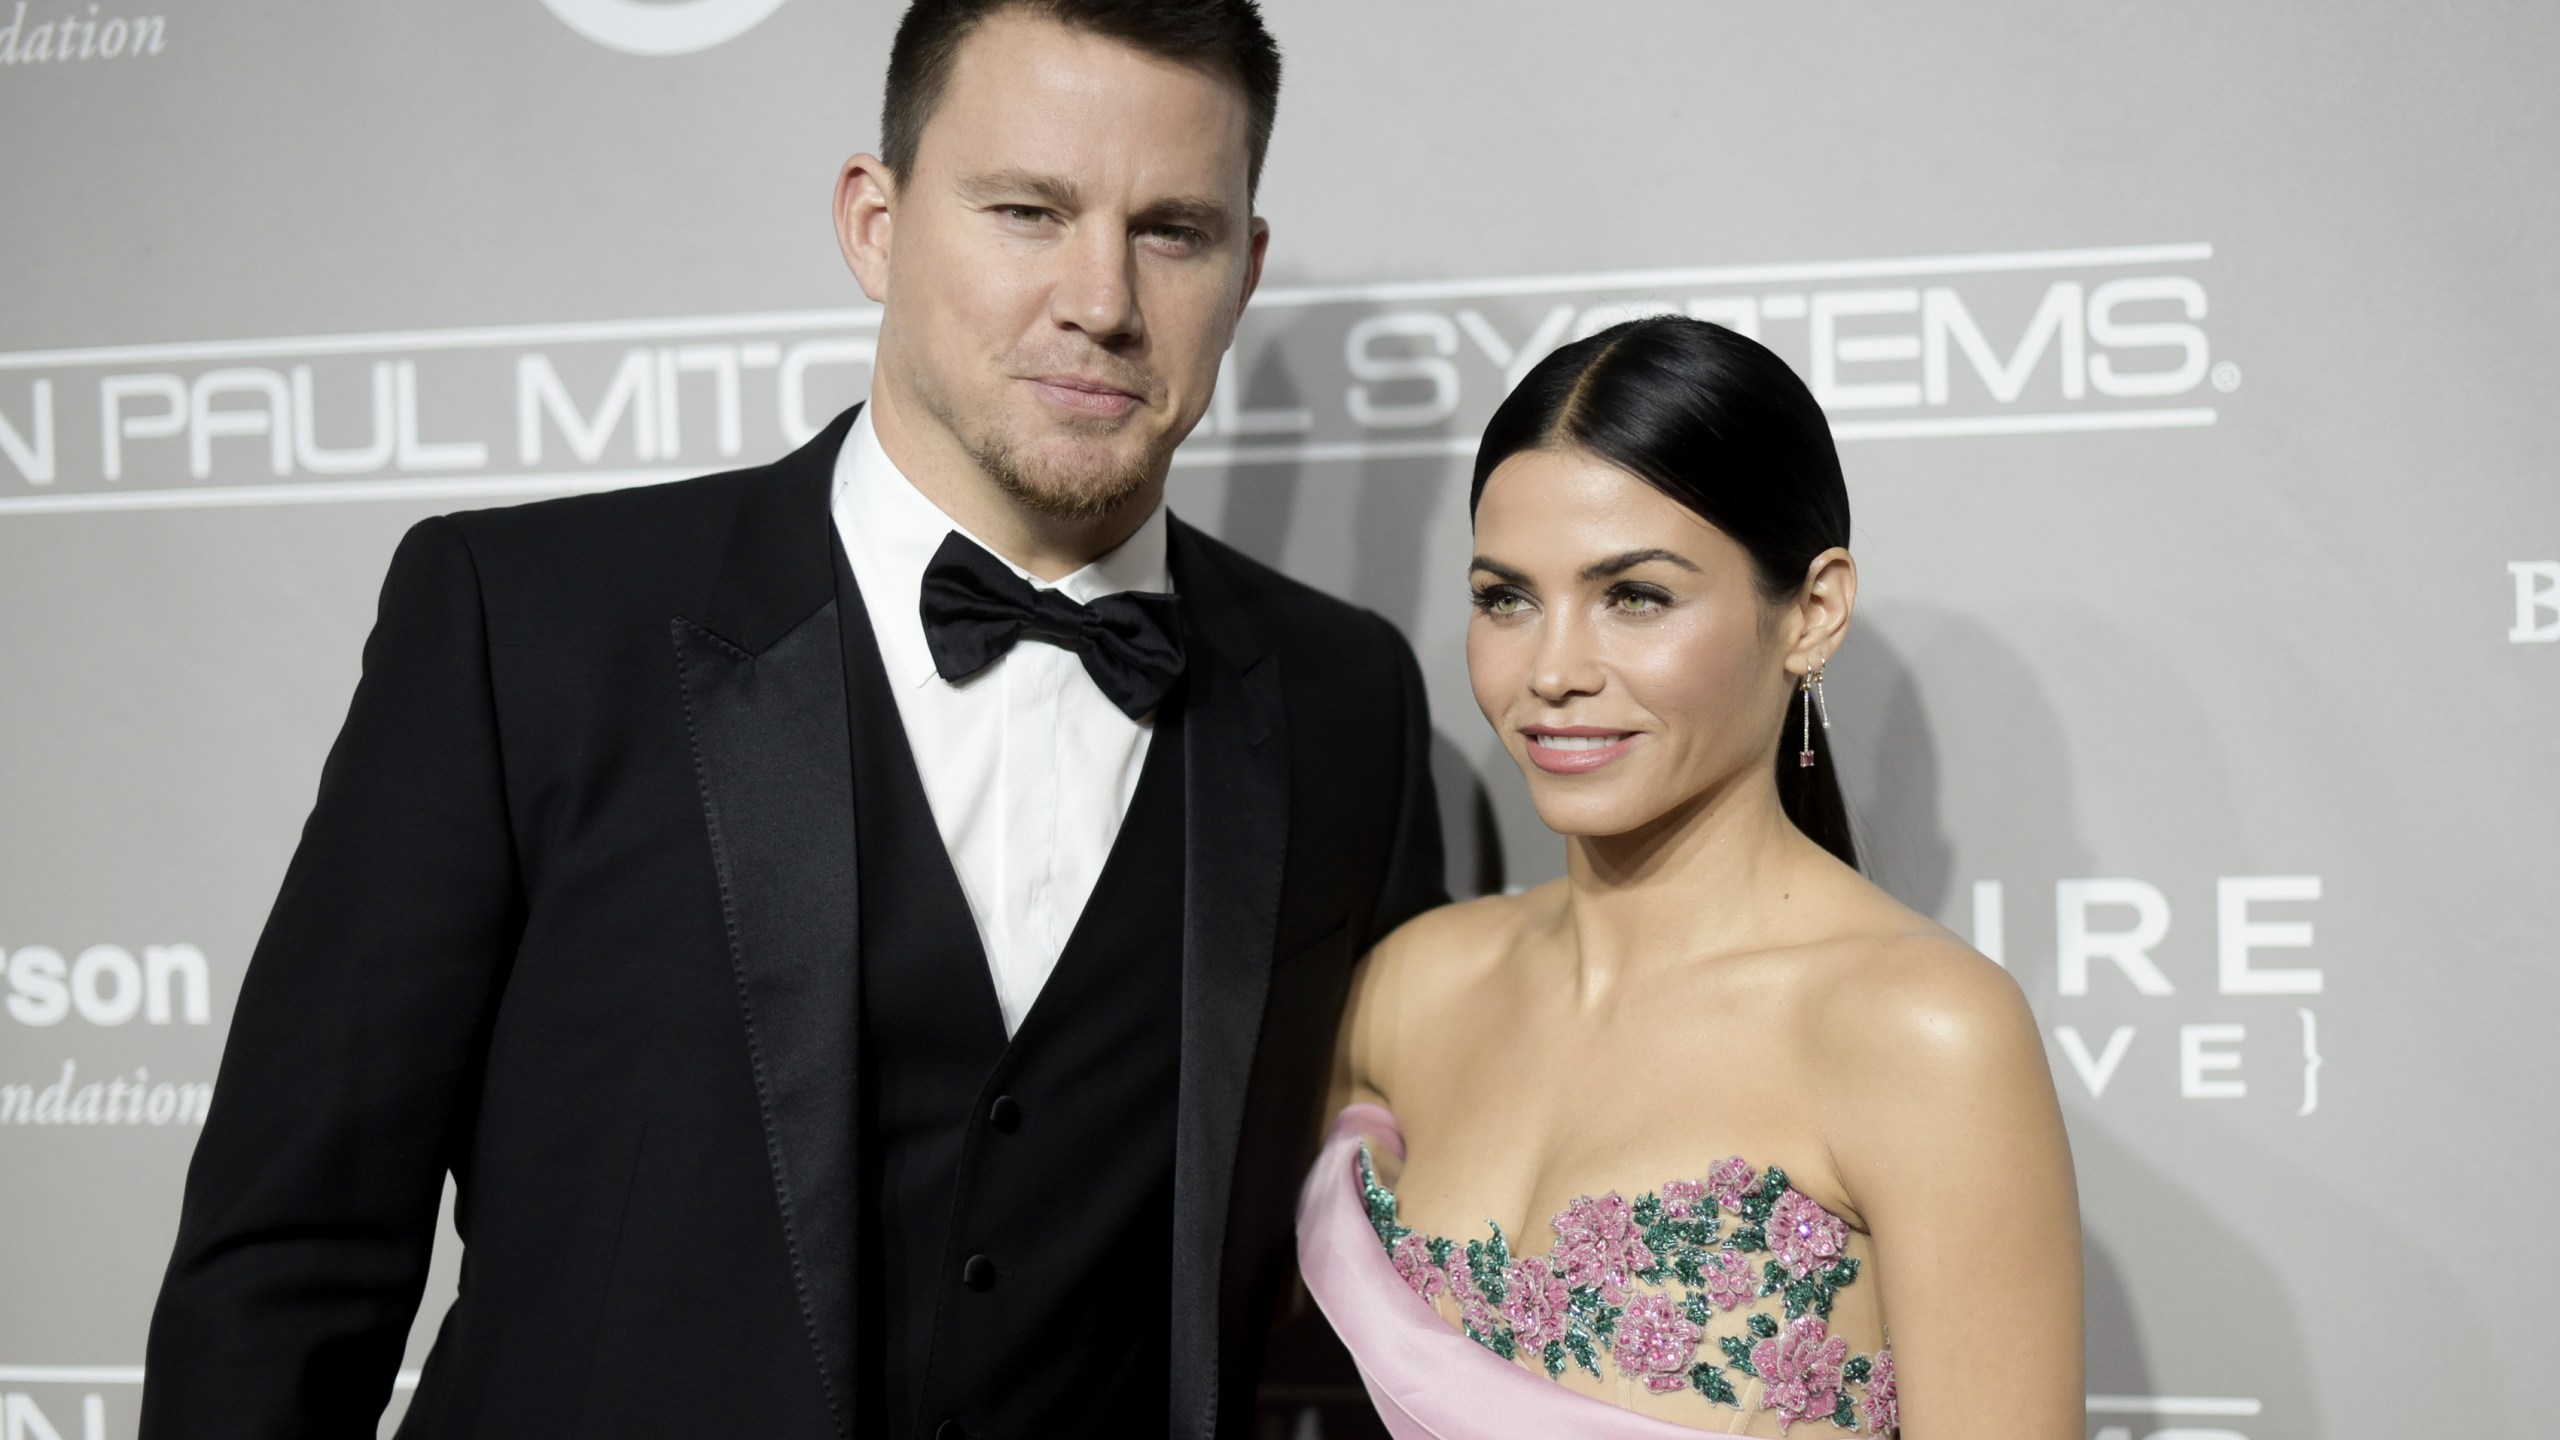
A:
1636, 601
1500, 601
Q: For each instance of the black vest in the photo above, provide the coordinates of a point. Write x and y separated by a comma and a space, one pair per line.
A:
1016, 1256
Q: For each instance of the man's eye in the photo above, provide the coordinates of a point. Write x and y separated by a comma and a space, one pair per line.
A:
1023, 214
1179, 237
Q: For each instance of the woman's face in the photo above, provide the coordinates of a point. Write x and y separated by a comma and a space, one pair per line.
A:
1620, 645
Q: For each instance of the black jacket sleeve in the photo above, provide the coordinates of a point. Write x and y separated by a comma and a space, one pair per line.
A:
1416, 878
353, 1057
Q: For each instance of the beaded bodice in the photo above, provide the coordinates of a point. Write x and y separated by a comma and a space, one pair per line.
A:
1721, 1289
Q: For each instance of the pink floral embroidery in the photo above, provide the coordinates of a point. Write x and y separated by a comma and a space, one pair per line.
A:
1412, 1255
1884, 1399
1804, 1236
1535, 1303
1597, 1244
1462, 1288
1680, 1198
1731, 1178
1655, 1343
1730, 1280
1800, 1370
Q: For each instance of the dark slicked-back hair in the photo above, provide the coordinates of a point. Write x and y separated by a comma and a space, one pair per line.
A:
1225, 36
1721, 425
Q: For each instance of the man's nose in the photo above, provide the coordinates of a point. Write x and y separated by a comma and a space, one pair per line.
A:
1097, 291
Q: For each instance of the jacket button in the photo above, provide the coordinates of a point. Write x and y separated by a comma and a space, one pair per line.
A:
949, 1430
979, 1274
1005, 1114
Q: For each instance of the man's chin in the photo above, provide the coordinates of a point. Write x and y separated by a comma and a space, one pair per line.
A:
1070, 477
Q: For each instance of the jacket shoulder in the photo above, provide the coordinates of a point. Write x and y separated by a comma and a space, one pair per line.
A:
680, 512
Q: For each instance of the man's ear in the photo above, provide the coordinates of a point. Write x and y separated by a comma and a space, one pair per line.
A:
865, 193
1255, 249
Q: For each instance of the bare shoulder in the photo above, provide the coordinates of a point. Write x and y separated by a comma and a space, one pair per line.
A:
1457, 943
1424, 968
1904, 1001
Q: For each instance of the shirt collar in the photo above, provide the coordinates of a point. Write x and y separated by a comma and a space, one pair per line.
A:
890, 532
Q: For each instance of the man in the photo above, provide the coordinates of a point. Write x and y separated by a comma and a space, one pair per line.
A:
863, 934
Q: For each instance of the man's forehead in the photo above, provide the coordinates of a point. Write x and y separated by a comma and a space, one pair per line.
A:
1032, 98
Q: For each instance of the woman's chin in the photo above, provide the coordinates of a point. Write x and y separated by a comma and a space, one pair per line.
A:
1592, 816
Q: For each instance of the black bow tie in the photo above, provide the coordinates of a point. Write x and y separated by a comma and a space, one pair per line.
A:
975, 607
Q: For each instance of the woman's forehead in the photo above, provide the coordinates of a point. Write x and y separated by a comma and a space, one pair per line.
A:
1560, 500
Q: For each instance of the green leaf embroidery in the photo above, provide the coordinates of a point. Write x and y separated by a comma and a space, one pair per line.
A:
1485, 1262
1379, 1201
1709, 1381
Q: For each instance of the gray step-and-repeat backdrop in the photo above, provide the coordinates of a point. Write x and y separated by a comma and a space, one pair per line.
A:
2192, 364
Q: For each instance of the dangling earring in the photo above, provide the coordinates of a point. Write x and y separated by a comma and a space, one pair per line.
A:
1814, 700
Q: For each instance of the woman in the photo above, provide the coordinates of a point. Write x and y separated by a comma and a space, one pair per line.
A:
1711, 1134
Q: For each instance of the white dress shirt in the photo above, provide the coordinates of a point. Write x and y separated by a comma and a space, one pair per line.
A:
1028, 767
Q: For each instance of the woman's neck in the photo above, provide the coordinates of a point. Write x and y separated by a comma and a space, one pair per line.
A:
1702, 880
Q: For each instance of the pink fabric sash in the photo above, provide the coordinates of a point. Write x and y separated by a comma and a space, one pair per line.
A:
1428, 1380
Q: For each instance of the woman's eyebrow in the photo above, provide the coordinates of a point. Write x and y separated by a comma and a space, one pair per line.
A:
1499, 570
1621, 564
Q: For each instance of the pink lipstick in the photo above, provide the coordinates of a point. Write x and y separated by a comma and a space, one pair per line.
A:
1575, 749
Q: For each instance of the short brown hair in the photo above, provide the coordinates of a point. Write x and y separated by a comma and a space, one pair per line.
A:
1227, 36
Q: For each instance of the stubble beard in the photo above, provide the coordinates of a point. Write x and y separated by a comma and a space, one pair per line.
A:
1061, 491
1057, 489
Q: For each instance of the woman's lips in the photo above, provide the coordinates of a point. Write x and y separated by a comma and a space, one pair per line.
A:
1575, 749
1084, 397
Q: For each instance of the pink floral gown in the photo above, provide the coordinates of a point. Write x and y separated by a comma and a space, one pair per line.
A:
1717, 1290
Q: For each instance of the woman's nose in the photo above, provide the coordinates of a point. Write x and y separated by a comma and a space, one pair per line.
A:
1565, 665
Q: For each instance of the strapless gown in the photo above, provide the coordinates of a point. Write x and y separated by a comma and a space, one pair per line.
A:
1640, 1287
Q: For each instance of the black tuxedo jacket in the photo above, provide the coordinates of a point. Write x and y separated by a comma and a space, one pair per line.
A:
573, 919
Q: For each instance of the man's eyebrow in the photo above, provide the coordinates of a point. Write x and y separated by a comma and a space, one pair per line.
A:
1191, 210
1621, 564
1051, 190
1498, 570
1060, 193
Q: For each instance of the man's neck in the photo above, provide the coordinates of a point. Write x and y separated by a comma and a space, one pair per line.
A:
1050, 547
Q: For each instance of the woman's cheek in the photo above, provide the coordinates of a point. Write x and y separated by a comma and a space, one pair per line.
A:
1488, 671
1682, 670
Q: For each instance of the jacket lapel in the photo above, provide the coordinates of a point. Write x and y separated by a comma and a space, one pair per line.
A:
764, 690
1235, 836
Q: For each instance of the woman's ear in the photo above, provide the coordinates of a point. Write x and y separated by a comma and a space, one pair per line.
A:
1822, 606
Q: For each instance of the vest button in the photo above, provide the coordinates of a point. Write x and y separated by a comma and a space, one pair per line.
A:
1005, 1114
949, 1430
979, 1274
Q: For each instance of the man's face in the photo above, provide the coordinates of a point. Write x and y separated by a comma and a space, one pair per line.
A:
1066, 261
